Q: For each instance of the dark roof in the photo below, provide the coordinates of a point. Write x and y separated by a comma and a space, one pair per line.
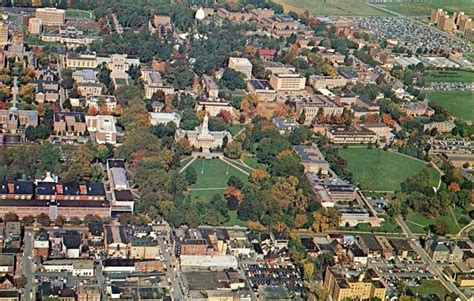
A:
70, 189
45, 188
463, 245
72, 239
123, 195
19, 187
261, 84
116, 163
9, 294
400, 244
96, 228
118, 262
78, 116
371, 243
95, 189
7, 260
309, 244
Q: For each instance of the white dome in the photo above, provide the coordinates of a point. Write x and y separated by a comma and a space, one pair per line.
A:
200, 14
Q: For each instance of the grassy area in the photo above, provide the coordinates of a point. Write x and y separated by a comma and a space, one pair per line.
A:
205, 194
425, 222
425, 7
235, 128
77, 13
252, 162
459, 103
331, 7
375, 169
430, 287
185, 161
214, 173
234, 220
452, 76
470, 56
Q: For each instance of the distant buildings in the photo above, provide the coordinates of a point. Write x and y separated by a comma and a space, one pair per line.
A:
241, 65
459, 21
350, 135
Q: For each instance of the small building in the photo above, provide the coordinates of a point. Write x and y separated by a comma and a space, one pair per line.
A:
262, 90
164, 118
210, 86
89, 89
102, 127
241, 65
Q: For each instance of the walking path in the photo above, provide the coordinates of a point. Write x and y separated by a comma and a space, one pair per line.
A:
187, 164
234, 166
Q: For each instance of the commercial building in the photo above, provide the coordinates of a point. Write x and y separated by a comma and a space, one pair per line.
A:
328, 82
50, 16
312, 105
344, 285
241, 65
122, 198
287, 81
262, 90
102, 127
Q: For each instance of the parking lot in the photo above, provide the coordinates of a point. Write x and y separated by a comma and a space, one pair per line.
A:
274, 275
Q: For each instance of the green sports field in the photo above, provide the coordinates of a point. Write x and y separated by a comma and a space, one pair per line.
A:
77, 13
378, 170
331, 7
425, 7
459, 103
451, 76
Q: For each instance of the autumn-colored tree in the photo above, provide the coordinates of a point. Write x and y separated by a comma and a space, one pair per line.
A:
233, 150
255, 226
387, 119
91, 111
300, 220
308, 270
454, 187
226, 116
259, 176
234, 197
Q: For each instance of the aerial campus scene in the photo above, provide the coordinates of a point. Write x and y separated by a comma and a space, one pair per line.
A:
237, 150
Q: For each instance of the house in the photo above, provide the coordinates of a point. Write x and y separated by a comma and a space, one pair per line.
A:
41, 243
267, 54
7, 263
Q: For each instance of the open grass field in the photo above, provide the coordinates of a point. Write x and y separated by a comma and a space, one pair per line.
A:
235, 128
77, 13
234, 220
378, 170
252, 162
430, 287
214, 173
331, 7
459, 103
425, 7
451, 76
421, 220
469, 56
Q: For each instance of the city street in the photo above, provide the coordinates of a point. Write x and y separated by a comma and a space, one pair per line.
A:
177, 286
429, 263
28, 266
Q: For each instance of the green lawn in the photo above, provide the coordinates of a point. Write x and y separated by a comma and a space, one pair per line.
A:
214, 173
375, 169
425, 7
331, 7
205, 194
235, 128
452, 76
234, 220
252, 162
388, 226
469, 56
425, 222
459, 103
77, 13
431, 287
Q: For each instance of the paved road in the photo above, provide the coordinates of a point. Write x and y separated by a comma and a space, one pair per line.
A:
28, 266
177, 286
429, 263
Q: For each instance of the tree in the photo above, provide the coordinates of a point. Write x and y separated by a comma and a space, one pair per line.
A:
300, 135
233, 150
235, 182
74, 220
92, 218
28, 220
43, 219
440, 228
233, 79
308, 270
190, 175
234, 197
60, 220
10, 217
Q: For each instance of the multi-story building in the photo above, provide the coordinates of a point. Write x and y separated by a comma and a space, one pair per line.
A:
213, 108
241, 65
350, 135
103, 128
3, 33
442, 126
122, 198
288, 81
312, 159
262, 90
100, 101
89, 89
144, 248
35, 26
68, 35
154, 83
69, 123
312, 105
50, 16
345, 285
14, 120
210, 86
327, 82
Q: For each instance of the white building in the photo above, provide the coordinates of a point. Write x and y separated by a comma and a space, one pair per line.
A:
164, 118
242, 65
103, 128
